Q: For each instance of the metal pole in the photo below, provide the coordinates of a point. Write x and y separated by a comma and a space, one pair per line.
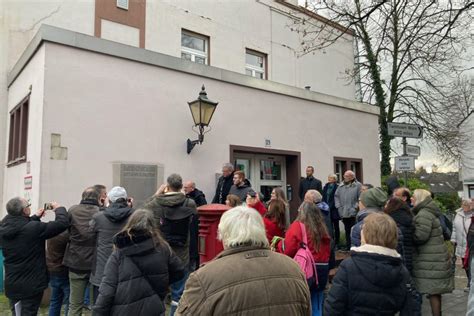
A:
404, 143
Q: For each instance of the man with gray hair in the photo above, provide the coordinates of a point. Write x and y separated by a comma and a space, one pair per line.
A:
224, 184
173, 212
247, 278
22, 239
313, 196
346, 200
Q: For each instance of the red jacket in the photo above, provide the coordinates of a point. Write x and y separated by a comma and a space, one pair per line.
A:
259, 207
293, 239
272, 229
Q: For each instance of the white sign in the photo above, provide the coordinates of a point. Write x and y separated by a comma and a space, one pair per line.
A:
405, 163
405, 130
413, 151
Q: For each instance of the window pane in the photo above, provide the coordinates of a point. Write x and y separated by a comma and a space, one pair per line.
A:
193, 42
248, 72
254, 60
270, 170
243, 165
185, 56
259, 75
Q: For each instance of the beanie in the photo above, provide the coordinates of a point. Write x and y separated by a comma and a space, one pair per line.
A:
375, 197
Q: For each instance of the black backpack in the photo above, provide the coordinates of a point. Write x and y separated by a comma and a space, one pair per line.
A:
176, 231
446, 225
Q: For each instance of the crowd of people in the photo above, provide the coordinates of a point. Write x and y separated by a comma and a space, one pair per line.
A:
128, 259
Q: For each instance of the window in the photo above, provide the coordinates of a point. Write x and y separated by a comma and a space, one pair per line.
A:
18, 132
255, 64
195, 47
471, 191
122, 4
341, 165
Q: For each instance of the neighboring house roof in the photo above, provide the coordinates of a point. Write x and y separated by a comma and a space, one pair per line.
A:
442, 182
317, 17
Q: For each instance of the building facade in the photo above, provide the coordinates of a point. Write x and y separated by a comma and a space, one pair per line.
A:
97, 92
467, 157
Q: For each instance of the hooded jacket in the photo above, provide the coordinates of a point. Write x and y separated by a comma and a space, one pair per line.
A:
326, 212
198, 197
241, 190
22, 240
372, 281
137, 276
431, 263
173, 212
357, 229
461, 224
105, 225
404, 219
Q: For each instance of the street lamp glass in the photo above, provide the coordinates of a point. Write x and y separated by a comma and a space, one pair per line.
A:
202, 109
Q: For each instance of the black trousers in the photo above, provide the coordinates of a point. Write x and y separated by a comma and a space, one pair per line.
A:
29, 305
337, 231
348, 223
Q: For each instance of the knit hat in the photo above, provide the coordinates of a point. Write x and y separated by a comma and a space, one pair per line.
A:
117, 193
375, 197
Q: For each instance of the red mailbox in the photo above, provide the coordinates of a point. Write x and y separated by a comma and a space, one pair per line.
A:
209, 217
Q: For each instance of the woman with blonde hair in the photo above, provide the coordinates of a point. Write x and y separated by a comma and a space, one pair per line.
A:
139, 271
431, 261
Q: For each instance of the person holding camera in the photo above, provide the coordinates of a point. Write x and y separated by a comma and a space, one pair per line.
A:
22, 239
105, 225
81, 247
173, 212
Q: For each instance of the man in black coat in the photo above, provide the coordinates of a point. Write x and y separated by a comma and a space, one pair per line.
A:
224, 184
310, 183
200, 199
22, 239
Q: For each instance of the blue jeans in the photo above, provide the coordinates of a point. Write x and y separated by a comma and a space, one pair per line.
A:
317, 298
177, 289
59, 295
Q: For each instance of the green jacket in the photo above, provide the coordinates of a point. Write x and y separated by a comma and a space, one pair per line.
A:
431, 261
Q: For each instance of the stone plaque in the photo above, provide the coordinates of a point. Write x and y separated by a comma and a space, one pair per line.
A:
140, 181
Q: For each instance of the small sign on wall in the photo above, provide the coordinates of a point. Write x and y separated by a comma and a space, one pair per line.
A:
268, 143
28, 182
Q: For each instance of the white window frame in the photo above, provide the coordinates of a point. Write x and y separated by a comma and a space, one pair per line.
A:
119, 5
194, 52
254, 69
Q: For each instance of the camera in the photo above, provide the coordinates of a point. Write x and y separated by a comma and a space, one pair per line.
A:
48, 206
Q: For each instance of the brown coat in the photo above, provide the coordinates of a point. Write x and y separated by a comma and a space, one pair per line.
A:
81, 246
55, 249
247, 281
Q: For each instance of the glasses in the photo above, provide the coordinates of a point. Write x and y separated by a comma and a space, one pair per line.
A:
28, 205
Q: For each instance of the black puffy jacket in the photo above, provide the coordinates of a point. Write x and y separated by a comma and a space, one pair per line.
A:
137, 276
368, 283
404, 219
22, 240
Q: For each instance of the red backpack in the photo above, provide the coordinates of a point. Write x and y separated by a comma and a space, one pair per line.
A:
305, 260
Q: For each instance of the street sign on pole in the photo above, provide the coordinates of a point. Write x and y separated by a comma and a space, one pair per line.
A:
405, 163
413, 151
405, 130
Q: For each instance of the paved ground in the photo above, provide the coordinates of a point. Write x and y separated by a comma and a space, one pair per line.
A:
453, 304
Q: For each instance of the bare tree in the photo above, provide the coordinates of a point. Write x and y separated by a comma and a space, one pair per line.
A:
409, 54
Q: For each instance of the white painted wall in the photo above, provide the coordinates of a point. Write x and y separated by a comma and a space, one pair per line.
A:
120, 33
33, 76
260, 25
109, 109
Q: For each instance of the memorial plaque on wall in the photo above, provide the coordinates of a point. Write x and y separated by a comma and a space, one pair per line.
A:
140, 181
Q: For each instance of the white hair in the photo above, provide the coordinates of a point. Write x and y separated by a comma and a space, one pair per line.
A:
228, 166
420, 195
316, 197
242, 226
